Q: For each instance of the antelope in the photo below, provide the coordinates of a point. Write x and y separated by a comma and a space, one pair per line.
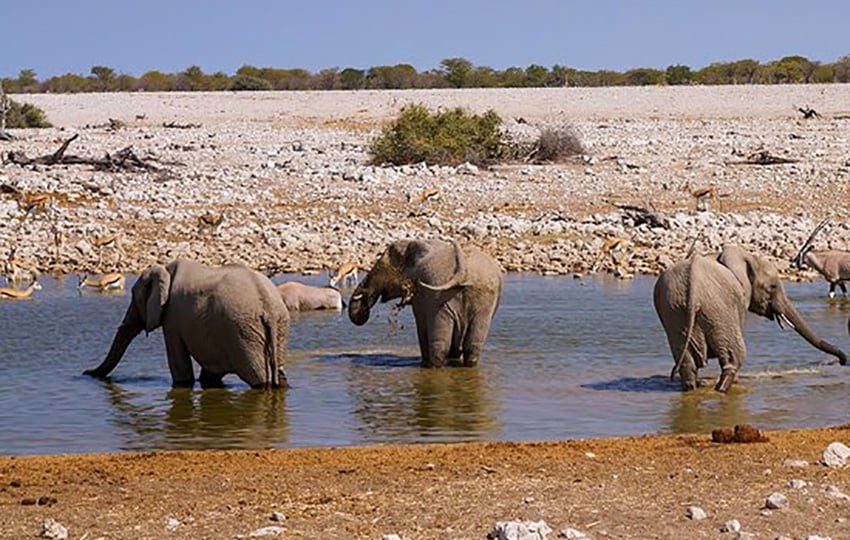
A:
210, 221
111, 281
10, 293
112, 241
609, 246
33, 203
347, 274
17, 271
832, 264
701, 195
432, 194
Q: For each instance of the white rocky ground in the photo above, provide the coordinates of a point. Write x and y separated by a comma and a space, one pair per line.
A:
289, 170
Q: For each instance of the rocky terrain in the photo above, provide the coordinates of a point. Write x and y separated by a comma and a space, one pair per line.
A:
290, 173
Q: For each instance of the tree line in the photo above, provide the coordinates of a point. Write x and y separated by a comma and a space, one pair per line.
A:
452, 73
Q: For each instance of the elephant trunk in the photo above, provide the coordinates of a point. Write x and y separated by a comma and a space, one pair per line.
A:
784, 310
129, 329
359, 306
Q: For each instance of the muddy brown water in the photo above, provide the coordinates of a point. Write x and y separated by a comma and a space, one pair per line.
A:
565, 359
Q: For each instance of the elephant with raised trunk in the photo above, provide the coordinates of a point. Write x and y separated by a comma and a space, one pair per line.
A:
454, 293
702, 301
230, 319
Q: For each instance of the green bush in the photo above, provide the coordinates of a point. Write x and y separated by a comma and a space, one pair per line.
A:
250, 83
444, 137
25, 116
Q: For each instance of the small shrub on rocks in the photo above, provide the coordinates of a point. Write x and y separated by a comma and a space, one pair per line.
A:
446, 137
25, 115
555, 145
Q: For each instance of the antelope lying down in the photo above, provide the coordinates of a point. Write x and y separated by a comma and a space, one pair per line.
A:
10, 293
832, 264
113, 281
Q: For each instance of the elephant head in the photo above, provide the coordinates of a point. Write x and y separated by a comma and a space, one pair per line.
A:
149, 297
766, 296
399, 271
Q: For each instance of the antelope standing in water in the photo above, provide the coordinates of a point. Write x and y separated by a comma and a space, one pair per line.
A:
113, 281
347, 274
17, 271
832, 264
10, 293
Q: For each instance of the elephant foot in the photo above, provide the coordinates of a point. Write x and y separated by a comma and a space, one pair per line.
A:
189, 383
211, 380
727, 377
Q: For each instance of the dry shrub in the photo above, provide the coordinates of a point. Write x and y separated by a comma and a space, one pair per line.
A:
557, 144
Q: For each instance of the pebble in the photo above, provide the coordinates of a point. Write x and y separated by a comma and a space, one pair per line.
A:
836, 455
172, 524
795, 463
696, 513
519, 530
733, 525
278, 516
776, 501
51, 528
796, 483
834, 493
572, 534
272, 530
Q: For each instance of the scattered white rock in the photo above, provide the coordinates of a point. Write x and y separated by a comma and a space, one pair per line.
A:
836, 455
393, 537
278, 516
816, 537
519, 530
695, 513
733, 525
795, 463
51, 528
776, 501
272, 530
796, 483
172, 523
834, 493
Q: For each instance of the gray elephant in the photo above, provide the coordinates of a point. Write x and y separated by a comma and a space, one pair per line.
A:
230, 319
301, 297
702, 301
454, 293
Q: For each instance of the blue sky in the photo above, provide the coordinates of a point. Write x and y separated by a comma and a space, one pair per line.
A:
59, 36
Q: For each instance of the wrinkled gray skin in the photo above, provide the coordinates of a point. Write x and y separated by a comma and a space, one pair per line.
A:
300, 297
230, 319
702, 302
454, 293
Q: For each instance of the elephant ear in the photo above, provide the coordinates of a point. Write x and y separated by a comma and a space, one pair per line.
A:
743, 265
150, 293
460, 276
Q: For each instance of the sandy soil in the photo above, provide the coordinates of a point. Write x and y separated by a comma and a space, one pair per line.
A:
608, 488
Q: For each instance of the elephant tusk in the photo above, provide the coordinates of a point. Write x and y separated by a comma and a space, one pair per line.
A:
358, 296
781, 317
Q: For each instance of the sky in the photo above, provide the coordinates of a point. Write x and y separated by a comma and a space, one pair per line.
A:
54, 37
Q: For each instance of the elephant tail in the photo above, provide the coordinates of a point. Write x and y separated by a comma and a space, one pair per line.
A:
270, 351
691, 309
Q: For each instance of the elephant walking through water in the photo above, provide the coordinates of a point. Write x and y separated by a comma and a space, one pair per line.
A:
454, 294
702, 302
229, 319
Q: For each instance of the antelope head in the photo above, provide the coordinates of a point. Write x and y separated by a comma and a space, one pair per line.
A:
799, 259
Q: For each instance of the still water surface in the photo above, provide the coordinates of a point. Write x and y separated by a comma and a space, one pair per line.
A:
565, 359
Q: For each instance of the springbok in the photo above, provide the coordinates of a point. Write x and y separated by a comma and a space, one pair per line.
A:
112, 241
832, 264
609, 246
10, 293
346, 275
17, 271
211, 222
702, 195
33, 203
112, 281
432, 194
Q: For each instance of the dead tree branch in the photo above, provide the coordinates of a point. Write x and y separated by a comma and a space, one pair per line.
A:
640, 215
763, 157
123, 160
175, 125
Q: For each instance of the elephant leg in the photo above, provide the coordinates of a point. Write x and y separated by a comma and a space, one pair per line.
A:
832, 289
209, 379
424, 349
688, 373
441, 331
730, 361
179, 361
473, 341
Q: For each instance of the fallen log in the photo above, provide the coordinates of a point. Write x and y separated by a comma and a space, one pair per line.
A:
640, 215
763, 157
123, 160
175, 125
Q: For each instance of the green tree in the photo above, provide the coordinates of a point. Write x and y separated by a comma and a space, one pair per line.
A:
458, 72
678, 75
536, 76
841, 69
68, 83
104, 78
155, 81
352, 79
643, 77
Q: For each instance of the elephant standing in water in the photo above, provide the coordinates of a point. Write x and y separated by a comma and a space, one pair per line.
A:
301, 297
454, 293
702, 301
230, 319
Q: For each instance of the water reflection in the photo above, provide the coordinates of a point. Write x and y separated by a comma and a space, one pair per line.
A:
406, 402
703, 410
198, 419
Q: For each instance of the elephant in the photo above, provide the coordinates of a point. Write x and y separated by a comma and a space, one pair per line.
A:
702, 301
230, 319
300, 297
454, 293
